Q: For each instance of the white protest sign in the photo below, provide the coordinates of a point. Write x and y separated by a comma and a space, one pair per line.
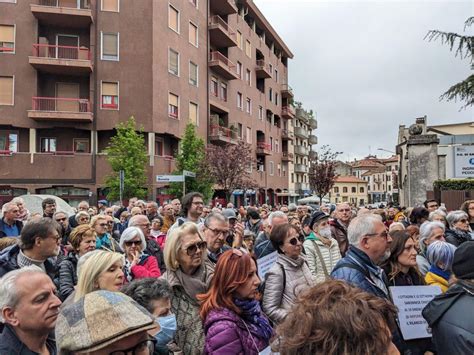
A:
264, 264
410, 301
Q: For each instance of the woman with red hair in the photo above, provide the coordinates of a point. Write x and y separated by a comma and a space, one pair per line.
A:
233, 320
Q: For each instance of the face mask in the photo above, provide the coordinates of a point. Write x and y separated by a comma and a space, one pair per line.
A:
325, 232
167, 331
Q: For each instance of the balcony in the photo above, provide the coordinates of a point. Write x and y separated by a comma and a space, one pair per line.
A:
61, 59
286, 135
313, 124
222, 66
286, 91
300, 132
313, 155
288, 112
264, 148
288, 157
61, 109
313, 139
222, 135
302, 115
220, 34
301, 186
301, 150
300, 168
46, 166
63, 13
223, 7
263, 70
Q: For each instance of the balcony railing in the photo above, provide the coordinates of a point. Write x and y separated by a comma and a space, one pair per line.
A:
83, 4
288, 111
264, 146
216, 130
217, 20
61, 52
61, 104
218, 56
286, 90
287, 156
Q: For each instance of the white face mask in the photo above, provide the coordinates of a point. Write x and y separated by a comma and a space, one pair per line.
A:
325, 232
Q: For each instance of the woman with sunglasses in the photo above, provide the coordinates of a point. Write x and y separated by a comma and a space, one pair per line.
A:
289, 276
104, 240
188, 276
138, 264
233, 320
459, 230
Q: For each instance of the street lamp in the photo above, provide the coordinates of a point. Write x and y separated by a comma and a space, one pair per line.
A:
386, 150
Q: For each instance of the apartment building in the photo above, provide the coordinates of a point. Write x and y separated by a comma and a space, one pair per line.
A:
349, 189
71, 70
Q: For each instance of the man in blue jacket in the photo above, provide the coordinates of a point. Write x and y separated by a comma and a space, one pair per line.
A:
369, 245
10, 226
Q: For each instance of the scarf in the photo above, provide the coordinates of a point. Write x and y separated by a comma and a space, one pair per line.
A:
103, 241
127, 268
437, 271
194, 284
254, 318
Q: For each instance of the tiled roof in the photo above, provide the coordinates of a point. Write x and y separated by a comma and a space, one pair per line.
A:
349, 179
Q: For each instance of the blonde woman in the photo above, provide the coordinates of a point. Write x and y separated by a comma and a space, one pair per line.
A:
104, 240
188, 276
103, 270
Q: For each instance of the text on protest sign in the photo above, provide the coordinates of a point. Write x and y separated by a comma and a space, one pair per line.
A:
264, 264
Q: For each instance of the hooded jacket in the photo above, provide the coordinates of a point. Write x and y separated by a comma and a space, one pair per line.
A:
331, 255
450, 316
226, 333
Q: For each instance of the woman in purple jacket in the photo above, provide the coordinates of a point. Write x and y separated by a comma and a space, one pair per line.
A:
233, 320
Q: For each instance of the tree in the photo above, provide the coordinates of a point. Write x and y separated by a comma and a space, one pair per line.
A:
464, 46
229, 166
127, 151
191, 157
322, 171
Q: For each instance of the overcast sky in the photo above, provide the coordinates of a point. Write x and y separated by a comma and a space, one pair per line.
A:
364, 67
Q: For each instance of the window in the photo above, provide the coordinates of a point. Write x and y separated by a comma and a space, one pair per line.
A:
361, 190
81, 145
7, 39
336, 189
240, 40
6, 90
241, 131
248, 77
9, 1
344, 189
48, 145
248, 48
249, 167
8, 141
173, 105
270, 94
193, 74
194, 2
270, 67
272, 168
277, 146
214, 87
159, 149
276, 98
173, 19
110, 5
276, 75
248, 106
249, 135
224, 91
239, 101
110, 46
193, 34
173, 63
193, 113
354, 190
239, 69
260, 112
110, 95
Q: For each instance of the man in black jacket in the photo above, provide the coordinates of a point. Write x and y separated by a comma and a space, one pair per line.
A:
450, 315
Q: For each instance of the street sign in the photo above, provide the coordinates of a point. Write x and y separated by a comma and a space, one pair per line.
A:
189, 173
169, 178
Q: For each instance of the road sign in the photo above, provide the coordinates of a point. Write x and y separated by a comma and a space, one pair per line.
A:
189, 173
169, 178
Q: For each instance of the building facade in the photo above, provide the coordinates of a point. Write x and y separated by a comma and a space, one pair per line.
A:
70, 71
349, 189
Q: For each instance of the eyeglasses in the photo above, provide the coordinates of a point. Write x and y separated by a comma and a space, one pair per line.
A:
61, 219
103, 224
199, 203
463, 220
139, 349
110, 222
294, 241
133, 242
85, 219
217, 232
383, 235
193, 248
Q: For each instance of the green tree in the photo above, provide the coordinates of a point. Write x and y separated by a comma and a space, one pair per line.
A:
463, 46
127, 151
191, 157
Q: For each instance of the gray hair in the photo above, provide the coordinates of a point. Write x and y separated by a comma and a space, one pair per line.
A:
214, 216
59, 212
396, 226
18, 200
360, 226
81, 214
134, 220
153, 203
8, 206
129, 234
292, 207
455, 216
275, 214
145, 291
426, 230
9, 294
441, 253
438, 212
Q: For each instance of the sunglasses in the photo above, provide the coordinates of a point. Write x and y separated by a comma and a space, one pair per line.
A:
295, 240
60, 219
103, 224
133, 242
463, 220
193, 248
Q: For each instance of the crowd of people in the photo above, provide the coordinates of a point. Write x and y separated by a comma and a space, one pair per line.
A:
187, 278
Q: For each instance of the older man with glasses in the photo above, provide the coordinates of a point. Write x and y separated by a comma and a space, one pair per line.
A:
215, 230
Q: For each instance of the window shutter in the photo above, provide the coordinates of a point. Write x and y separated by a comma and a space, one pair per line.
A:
109, 89
7, 33
173, 100
6, 90
110, 44
193, 111
173, 18
110, 5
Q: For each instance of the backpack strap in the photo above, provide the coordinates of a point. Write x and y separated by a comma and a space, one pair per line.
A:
320, 256
353, 266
